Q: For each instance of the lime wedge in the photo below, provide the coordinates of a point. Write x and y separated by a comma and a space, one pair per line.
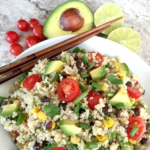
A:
126, 37
106, 13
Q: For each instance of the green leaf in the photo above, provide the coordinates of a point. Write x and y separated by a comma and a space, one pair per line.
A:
110, 138
71, 146
90, 145
119, 105
2, 99
90, 116
20, 118
84, 107
23, 76
108, 66
102, 148
77, 109
51, 110
15, 118
83, 125
51, 146
106, 118
114, 80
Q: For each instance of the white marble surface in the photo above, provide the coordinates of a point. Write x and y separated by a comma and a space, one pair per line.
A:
136, 16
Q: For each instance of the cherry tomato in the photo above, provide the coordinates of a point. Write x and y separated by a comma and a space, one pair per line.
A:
133, 92
97, 60
140, 123
33, 23
68, 90
22, 25
58, 148
11, 37
15, 132
38, 32
93, 99
30, 81
15, 49
31, 40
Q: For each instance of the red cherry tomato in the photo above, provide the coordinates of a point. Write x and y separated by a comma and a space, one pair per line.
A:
11, 37
30, 81
93, 99
33, 23
15, 49
22, 25
133, 92
58, 148
15, 132
140, 123
68, 90
98, 59
38, 32
31, 40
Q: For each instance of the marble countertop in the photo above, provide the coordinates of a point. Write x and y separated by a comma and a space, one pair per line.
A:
136, 16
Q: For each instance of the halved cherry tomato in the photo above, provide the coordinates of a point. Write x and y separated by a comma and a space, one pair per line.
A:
98, 59
30, 81
68, 90
133, 92
58, 148
15, 132
93, 99
140, 123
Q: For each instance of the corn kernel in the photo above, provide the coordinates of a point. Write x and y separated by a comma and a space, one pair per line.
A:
121, 74
34, 110
104, 88
17, 97
53, 126
42, 116
108, 123
132, 141
55, 82
136, 103
101, 138
17, 101
132, 101
21, 85
26, 130
74, 78
85, 82
74, 140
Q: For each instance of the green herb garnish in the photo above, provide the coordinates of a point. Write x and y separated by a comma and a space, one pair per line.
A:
51, 146
102, 148
148, 126
23, 76
84, 107
108, 66
90, 116
119, 105
37, 128
91, 66
112, 78
85, 60
110, 94
2, 99
76, 50
82, 88
90, 145
96, 85
69, 51
83, 125
83, 51
77, 109
20, 118
135, 148
71, 146
134, 130
63, 59
85, 75
106, 118
56, 76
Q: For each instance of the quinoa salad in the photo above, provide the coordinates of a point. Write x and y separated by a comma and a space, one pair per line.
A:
77, 101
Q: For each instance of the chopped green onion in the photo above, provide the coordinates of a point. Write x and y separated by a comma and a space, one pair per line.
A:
110, 94
102, 148
135, 148
110, 138
82, 88
90, 145
51, 146
90, 116
85, 60
77, 109
114, 134
112, 78
83, 51
119, 105
69, 51
56, 76
96, 85
84, 107
83, 125
63, 59
2, 99
134, 130
20, 118
85, 75
106, 118
23, 76
83, 95
15, 118
91, 66
148, 126
108, 66
76, 50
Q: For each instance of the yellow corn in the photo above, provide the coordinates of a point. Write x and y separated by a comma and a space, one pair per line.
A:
132, 101
42, 116
53, 126
85, 83
101, 138
55, 82
121, 74
108, 123
74, 140
116, 68
21, 85
26, 130
34, 110
132, 141
17, 97
17, 101
136, 103
104, 88
75, 78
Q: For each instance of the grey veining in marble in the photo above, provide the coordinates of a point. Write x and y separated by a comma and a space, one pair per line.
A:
136, 16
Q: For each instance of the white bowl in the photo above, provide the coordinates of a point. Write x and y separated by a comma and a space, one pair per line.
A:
105, 47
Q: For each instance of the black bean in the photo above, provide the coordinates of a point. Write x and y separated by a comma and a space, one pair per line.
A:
4, 103
137, 111
64, 74
49, 125
45, 99
144, 140
70, 66
63, 105
118, 112
105, 109
15, 141
89, 80
143, 92
36, 146
92, 123
76, 57
81, 111
129, 83
45, 143
78, 63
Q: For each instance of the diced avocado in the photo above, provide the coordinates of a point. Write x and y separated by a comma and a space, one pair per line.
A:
9, 109
121, 97
72, 17
123, 68
69, 128
98, 74
54, 66
127, 147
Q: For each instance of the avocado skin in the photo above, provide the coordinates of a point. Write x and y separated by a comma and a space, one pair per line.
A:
69, 128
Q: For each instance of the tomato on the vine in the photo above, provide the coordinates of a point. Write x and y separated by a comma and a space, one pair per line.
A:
15, 49
11, 37
31, 40
33, 23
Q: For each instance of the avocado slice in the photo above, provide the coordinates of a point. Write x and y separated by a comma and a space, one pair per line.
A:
69, 128
72, 17
127, 147
54, 66
98, 74
121, 98
9, 109
124, 68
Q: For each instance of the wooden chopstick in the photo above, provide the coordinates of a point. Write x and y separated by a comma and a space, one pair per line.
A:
36, 55
30, 65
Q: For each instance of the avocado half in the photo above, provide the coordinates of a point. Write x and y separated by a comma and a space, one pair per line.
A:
73, 17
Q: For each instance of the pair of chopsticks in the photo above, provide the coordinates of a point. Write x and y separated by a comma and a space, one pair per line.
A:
27, 63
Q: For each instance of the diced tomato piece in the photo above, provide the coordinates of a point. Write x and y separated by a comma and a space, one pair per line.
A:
133, 92
58, 148
15, 132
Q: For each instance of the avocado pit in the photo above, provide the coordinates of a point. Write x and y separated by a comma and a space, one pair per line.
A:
71, 20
